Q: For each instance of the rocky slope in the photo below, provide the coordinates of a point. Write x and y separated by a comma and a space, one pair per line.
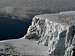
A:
55, 31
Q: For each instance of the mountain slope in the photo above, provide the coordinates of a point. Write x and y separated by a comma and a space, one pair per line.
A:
25, 8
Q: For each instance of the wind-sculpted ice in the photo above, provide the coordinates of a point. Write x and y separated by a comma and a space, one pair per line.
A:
55, 31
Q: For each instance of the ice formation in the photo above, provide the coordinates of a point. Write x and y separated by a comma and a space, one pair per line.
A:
57, 31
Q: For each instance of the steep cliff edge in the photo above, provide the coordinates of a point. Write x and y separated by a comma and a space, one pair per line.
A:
55, 31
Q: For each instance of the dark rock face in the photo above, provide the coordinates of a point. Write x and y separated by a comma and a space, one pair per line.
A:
59, 37
73, 51
70, 41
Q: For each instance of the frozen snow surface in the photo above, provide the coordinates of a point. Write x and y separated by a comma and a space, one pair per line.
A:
56, 31
22, 47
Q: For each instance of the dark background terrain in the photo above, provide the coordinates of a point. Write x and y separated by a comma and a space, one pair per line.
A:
13, 28
25, 10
